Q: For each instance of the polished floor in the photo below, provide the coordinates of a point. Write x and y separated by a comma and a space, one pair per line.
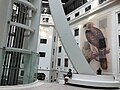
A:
56, 86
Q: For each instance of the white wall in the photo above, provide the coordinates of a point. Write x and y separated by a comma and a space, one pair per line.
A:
46, 33
5, 12
4, 17
110, 31
45, 63
62, 69
77, 23
32, 86
115, 41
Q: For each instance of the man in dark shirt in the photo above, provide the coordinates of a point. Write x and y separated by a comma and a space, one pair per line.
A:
69, 74
99, 71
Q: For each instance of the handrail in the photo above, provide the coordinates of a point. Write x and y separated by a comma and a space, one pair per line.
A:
18, 50
21, 25
27, 4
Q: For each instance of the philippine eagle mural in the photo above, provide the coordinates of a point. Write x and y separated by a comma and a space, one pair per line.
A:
96, 38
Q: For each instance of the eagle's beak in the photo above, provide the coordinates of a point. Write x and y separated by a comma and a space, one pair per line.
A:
84, 25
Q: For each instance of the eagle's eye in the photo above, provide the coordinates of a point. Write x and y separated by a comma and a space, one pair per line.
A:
84, 25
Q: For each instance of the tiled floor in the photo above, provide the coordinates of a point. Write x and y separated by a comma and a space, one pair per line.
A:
56, 86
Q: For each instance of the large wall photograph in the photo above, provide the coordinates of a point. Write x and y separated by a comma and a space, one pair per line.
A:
94, 46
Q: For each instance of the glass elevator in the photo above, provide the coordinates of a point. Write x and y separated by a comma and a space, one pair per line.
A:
18, 56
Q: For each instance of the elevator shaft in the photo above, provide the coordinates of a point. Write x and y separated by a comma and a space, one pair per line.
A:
15, 40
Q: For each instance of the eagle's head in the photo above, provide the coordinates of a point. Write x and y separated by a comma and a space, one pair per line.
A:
88, 25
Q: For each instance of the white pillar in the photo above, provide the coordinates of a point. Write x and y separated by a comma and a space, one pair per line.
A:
5, 13
73, 51
33, 41
30, 60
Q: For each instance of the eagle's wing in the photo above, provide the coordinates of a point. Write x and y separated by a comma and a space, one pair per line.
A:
92, 39
98, 34
102, 47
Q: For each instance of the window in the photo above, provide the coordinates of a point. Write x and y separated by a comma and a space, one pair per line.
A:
42, 54
101, 1
88, 8
119, 65
51, 78
118, 18
66, 62
76, 14
72, 5
41, 76
54, 38
44, 41
45, 19
22, 73
68, 19
53, 51
60, 49
52, 64
119, 40
59, 61
76, 32
22, 59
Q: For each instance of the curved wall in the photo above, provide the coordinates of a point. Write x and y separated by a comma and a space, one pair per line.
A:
33, 86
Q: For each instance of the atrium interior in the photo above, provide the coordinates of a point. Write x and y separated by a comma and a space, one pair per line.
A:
41, 40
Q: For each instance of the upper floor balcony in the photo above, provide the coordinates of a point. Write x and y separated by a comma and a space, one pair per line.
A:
46, 19
87, 8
